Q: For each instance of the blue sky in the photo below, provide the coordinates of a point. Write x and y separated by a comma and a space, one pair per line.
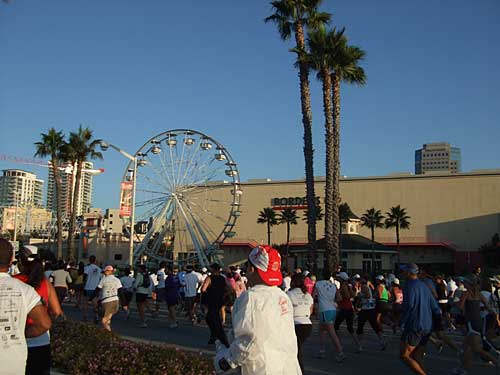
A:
132, 69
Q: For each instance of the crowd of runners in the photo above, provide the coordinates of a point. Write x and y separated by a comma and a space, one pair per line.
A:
416, 305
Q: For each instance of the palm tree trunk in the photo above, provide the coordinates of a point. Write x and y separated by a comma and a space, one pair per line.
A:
373, 249
72, 221
57, 179
268, 233
287, 243
331, 209
336, 158
305, 101
397, 242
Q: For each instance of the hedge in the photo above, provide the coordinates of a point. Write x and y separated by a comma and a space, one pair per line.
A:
79, 348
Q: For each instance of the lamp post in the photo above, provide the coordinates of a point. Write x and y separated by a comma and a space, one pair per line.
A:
16, 194
104, 146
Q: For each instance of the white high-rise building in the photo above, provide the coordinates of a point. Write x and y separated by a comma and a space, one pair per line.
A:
18, 187
84, 199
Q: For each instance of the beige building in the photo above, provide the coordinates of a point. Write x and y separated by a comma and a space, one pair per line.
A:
461, 209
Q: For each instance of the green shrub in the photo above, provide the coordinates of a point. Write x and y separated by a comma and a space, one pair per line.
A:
80, 348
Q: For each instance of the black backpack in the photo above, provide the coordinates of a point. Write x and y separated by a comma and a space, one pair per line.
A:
146, 281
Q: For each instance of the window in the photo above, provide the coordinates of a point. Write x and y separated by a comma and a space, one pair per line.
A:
110, 222
344, 255
110, 215
118, 256
367, 255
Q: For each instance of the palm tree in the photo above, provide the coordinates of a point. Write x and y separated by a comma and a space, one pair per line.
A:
289, 217
81, 148
335, 61
398, 218
345, 213
372, 219
294, 16
268, 216
52, 145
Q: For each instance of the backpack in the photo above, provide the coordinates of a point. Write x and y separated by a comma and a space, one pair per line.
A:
146, 281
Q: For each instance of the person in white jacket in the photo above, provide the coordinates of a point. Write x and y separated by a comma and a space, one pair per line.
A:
264, 333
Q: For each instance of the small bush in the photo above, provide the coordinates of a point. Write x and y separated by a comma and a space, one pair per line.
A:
80, 348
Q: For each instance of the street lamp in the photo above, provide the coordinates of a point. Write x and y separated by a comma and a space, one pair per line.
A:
104, 146
16, 195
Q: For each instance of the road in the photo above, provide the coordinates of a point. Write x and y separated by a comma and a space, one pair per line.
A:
370, 361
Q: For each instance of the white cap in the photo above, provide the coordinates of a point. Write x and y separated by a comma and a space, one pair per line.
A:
395, 281
380, 277
357, 276
204, 270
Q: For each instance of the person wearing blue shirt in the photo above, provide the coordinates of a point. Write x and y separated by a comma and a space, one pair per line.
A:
419, 307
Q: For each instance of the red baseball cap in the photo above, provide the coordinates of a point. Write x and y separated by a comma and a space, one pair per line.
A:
268, 263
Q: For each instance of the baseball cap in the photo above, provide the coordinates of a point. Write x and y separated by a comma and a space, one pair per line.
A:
395, 281
380, 277
357, 276
267, 261
204, 270
342, 275
108, 268
29, 252
409, 267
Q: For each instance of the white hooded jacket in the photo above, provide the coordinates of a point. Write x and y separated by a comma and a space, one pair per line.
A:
264, 333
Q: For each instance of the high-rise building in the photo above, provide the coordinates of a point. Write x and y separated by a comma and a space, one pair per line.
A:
438, 157
84, 199
18, 187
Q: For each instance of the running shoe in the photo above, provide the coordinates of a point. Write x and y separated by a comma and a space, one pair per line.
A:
174, 325
340, 357
144, 325
459, 371
321, 354
359, 349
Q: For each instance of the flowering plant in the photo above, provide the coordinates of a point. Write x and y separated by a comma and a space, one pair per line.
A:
80, 348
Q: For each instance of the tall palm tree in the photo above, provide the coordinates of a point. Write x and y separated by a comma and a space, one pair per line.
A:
52, 145
294, 16
335, 61
372, 219
81, 147
398, 218
288, 217
268, 216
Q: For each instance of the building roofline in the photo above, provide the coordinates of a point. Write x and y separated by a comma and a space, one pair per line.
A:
402, 176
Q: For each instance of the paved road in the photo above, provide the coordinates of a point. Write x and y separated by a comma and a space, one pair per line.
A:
370, 361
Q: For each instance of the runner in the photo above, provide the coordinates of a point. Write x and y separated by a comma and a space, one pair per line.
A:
368, 313
39, 353
24, 303
397, 303
141, 286
419, 306
92, 276
172, 293
109, 287
127, 291
326, 292
470, 303
78, 284
264, 336
345, 308
192, 281
161, 296
214, 287
303, 306
383, 307
62, 280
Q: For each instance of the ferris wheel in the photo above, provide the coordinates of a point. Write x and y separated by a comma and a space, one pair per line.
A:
187, 197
